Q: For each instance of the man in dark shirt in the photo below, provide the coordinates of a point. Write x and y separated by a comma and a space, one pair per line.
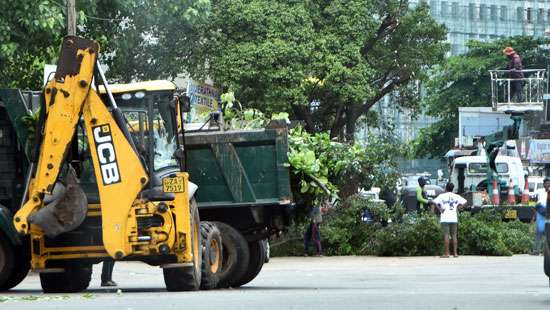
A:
515, 73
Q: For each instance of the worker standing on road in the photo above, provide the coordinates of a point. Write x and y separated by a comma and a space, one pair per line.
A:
421, 197
540, 215
448, 204
107, 273
516, 74
312, 234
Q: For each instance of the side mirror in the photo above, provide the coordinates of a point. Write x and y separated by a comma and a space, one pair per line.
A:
185, 103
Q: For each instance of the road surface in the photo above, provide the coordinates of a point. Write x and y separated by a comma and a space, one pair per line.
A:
467, 282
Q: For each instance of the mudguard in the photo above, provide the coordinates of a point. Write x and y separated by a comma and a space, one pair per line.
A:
6, 226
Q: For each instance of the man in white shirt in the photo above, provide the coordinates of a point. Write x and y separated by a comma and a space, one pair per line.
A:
448, 204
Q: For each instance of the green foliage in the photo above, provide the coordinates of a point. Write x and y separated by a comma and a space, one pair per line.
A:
463, 81
343, 233
157, 39
31, 32
30, 121
416, 235
308, 161
396, 234
324, 165
345, 55
486, 234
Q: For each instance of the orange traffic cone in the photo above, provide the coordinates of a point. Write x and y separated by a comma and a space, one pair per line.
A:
496, 195
525, 194
511, 193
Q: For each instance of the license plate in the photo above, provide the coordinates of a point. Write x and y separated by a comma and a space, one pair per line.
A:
173, 185
511, 214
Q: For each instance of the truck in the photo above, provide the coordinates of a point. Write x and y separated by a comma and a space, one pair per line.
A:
475, 172
239, 180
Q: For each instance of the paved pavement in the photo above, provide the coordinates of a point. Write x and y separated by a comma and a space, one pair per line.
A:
468, 282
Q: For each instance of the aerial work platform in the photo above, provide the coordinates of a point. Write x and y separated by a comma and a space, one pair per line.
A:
518, 95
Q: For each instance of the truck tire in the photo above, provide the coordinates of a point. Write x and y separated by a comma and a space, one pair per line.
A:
187, 278
235, 255
212, 256
21, 268
267, 248
7, 260
72, 280
257, 259
547, 259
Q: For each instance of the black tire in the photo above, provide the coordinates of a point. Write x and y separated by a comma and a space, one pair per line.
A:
257, 259
187, 278
267, 248
212, 257
547, 259
236, 256
7, 260
72, 280
21, 268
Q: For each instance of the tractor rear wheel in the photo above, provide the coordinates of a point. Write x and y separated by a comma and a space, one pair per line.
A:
187, 278
21, 266
7, 260
211, 255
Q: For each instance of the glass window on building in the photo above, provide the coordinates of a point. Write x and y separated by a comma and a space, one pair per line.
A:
540, 16
529, 15
472, 11
503, 12
494, 12
519, 13
454, 9
433, 7
444, 9
482, 12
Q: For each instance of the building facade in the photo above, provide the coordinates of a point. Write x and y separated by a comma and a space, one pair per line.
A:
490, 19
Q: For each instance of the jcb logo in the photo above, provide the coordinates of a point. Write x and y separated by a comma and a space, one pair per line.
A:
106, 154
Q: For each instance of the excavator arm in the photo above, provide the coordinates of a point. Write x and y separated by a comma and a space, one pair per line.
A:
119, 172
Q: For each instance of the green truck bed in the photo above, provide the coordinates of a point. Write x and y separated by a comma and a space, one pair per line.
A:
239, 168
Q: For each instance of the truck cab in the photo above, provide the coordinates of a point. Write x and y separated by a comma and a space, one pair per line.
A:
475, 171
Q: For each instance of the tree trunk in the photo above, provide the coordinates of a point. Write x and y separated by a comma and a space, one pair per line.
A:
303, 113
351, 120
339, 122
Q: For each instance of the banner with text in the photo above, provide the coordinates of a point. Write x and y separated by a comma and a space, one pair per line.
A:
539, 151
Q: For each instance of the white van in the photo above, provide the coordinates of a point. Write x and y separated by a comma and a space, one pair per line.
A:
476, 171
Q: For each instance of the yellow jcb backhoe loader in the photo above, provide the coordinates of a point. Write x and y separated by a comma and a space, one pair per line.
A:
144, 210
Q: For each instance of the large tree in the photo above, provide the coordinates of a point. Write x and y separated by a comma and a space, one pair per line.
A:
343, 56
464, 81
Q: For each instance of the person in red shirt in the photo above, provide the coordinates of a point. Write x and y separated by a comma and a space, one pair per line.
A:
515, 68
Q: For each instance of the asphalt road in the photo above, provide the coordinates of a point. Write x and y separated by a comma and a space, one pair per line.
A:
468, 282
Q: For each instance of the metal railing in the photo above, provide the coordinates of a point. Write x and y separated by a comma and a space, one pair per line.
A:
523, 94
